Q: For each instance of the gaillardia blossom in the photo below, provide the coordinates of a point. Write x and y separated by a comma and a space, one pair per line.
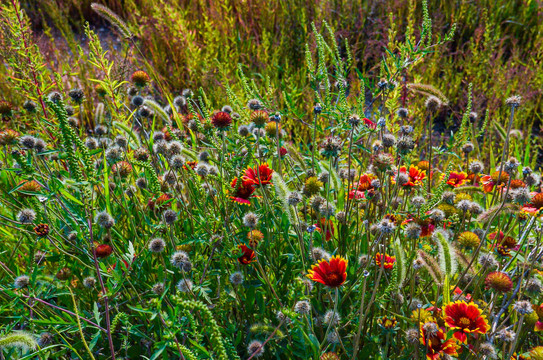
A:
388, 261
494, 179
415, 175
242, 193
331, 273
465, 318
260, 175
248, 255
456, 178
436, 344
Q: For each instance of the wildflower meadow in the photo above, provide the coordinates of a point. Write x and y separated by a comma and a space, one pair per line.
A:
271, 180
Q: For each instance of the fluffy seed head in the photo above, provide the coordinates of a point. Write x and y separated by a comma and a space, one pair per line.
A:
184, 285
157, 245
21, 281
331, 318
255, 348
236, 278
26, 216
303, 307
104, 220
89, 282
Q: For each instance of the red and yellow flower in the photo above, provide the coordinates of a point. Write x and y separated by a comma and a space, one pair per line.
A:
538, 310
242, 193
248, 255
260, 175
329, 225
456, 178
416, 176
494, 179
388, 261
465, 318
332, 273
437, 344
499, 281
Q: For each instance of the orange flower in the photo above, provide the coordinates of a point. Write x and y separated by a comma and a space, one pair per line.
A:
537, 201
248, 255
494, 179
389, 261
465, 318
364, 183
330, 273
499, 281
437, 345
415, 174
243, 192
258, 176
456, 179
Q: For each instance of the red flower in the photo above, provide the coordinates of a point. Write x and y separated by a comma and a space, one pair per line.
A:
248, 255
329, 228
389, 261
221, 120
496, 178
103, 251
243, 192
330, 273
415, 174
191, 164
260, 175
456, 179
437, 345
465, 318
538, 309
499, 281
283, 151
368, 123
